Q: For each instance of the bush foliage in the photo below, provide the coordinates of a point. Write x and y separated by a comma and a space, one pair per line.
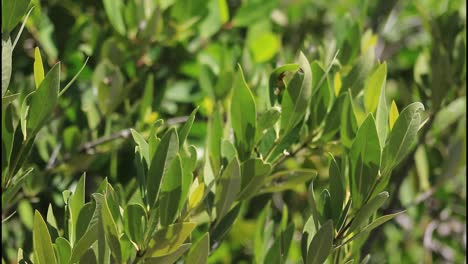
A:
233, 131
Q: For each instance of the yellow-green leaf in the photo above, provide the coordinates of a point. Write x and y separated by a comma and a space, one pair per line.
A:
196, 195
393, 114
42, 243
169, 239
38, 67
337, 83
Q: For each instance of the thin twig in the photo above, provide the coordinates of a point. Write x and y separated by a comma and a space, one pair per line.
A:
89, 147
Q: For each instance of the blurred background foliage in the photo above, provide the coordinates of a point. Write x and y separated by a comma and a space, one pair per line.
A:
160, 59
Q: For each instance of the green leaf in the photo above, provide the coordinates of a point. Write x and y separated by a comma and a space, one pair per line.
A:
170, 192
373, 88
253, 174
42, 243
267, 119
84, 243
222, 228
12, 12
63, 250
188, 163
25, 212
321, 245
318, 220
401, 139
286, 239
381, 118
84, 219
366, 230
110, 228
363, 215
199, 251
380, 221
286, 180
215, 133
264, 46
113, 10
365, 161
109, 82
307, 234
88, 257
135, 219
322, 96
51, 220
141, 142
43, 101
185, 129
171, 258
7, 51
447, 116
337, 188
276, 83
296, 97
38, 67
77, 201
9, 98
165, 153
147, 99
243, 116
253, 11
333, 119
227, 188
348, 123
168, 239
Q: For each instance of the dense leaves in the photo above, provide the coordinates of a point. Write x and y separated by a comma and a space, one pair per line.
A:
233, 131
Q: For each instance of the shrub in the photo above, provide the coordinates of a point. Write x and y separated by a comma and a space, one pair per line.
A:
305, 149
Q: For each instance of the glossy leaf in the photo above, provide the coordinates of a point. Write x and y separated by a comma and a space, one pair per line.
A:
185, 129
321, 245
322, 95
381, 116
170, 192
42, 243
363, 215
135, 219
165, 153
63, 250
170, 258
337, 189
7, 51
12, 12
296, 97
253, 174
243, 116
43, 101
110, 228
276, 83
77, 202
168, 239
348, 125
373, 88
84, 243
365, 161
198, 253
402, 137
227, 189
222, 228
